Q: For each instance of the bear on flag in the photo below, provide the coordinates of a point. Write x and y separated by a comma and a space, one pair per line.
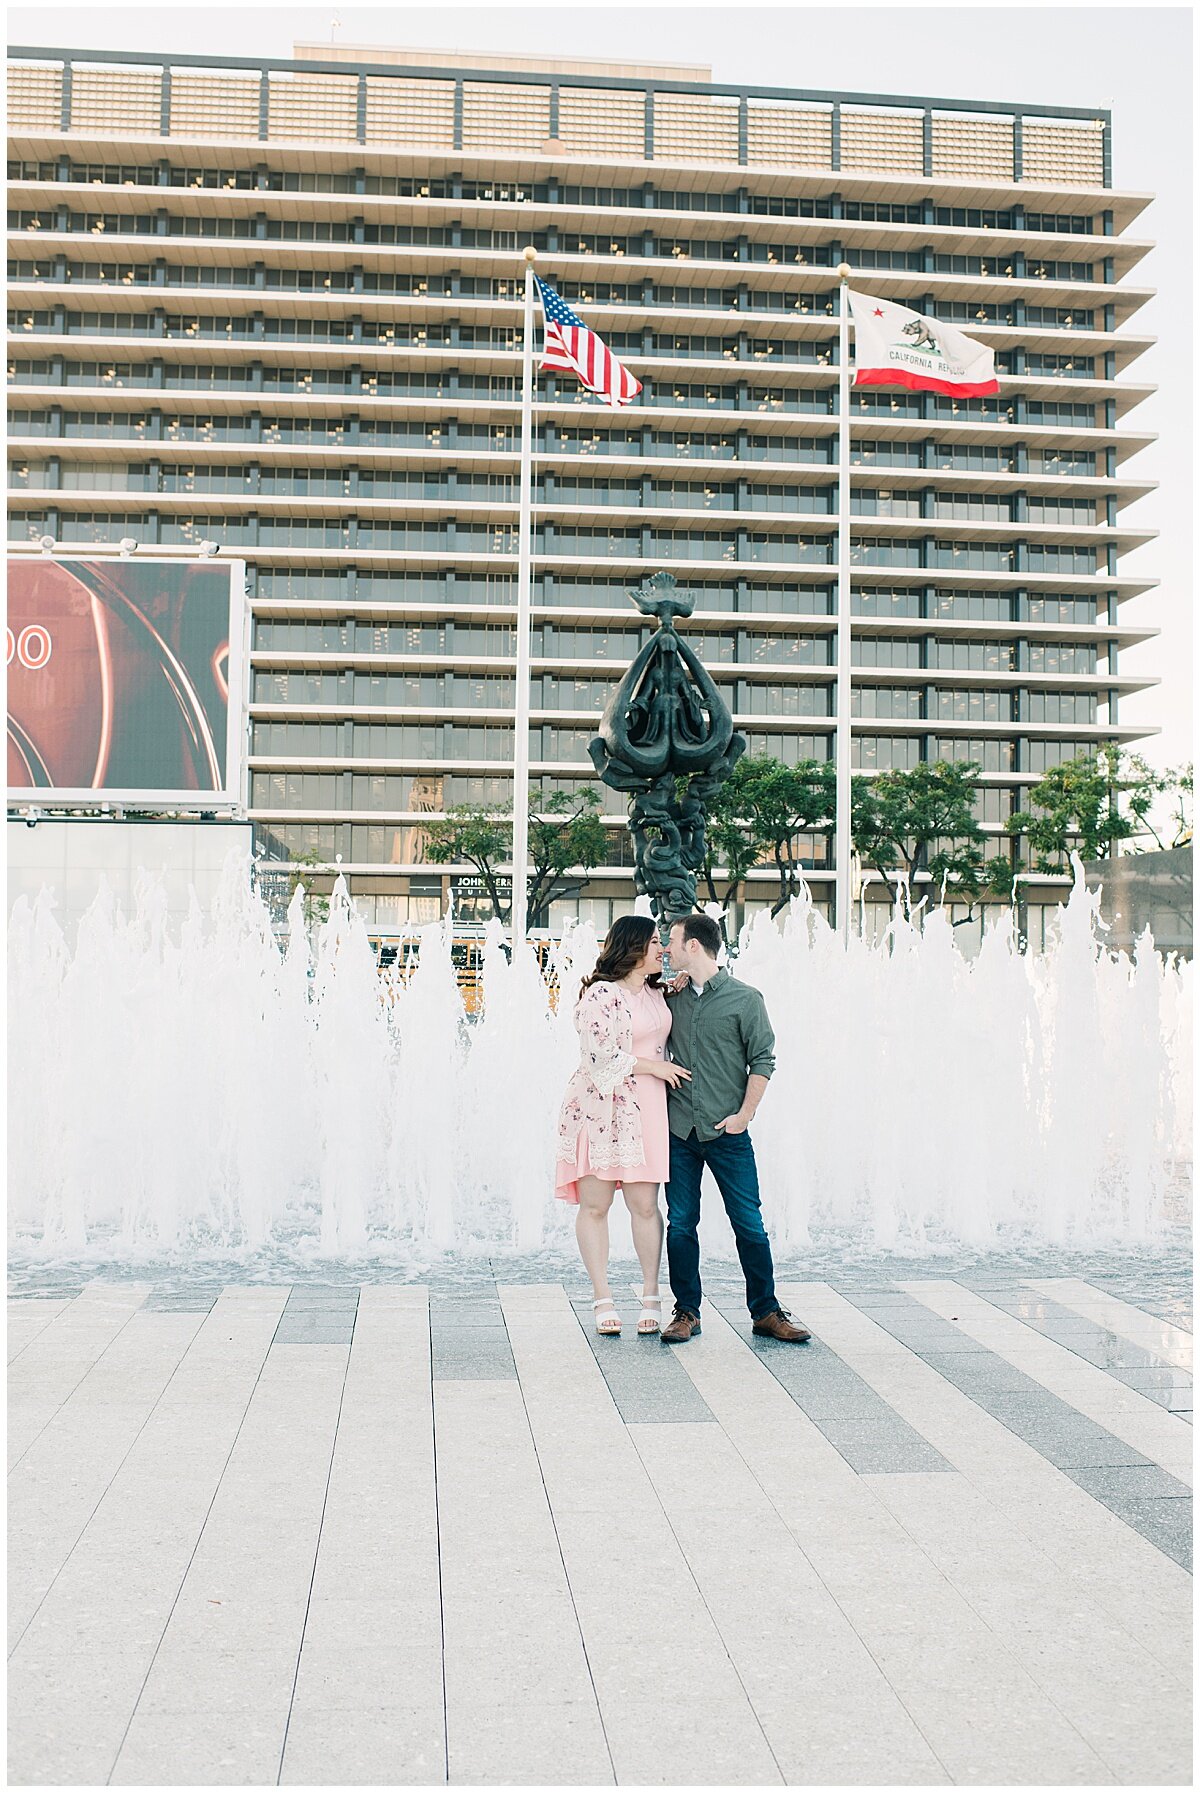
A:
897, 347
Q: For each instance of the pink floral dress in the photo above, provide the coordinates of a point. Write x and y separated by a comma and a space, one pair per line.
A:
612, 1124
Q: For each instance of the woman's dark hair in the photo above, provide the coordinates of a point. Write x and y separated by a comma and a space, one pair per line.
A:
624, 947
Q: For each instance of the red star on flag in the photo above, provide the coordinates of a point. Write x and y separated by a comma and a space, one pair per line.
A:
879, 311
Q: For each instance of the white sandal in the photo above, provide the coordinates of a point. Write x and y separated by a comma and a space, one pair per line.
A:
607, 1325
650, 1323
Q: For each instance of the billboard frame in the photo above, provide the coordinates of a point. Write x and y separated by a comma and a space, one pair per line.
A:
234, 797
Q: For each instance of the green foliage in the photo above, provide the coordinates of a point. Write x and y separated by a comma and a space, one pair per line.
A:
756, 815
1076, 806
924, 819
565, 831
1149, 790
300, 869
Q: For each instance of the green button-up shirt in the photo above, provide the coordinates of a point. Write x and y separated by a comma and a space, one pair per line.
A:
721, 1034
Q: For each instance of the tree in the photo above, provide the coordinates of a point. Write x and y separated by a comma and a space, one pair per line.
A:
1076, 807
1147, 788
300, 869
787, 801
565, 831
731, 837
756, 816
966, 875
924, 820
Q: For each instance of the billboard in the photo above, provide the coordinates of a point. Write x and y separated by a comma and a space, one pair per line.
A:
125, 681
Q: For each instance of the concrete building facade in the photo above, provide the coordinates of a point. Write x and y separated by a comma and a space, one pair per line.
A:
276, 305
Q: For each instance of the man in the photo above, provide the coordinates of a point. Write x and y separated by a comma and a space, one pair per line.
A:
721, 1034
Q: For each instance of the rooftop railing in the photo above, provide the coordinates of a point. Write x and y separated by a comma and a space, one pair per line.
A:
144, 94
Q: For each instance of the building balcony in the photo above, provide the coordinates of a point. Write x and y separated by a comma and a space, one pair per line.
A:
907, 286
71, 450
893, 421
576, 510
537, 216
143, 288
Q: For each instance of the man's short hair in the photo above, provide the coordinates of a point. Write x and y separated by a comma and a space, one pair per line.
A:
704, 929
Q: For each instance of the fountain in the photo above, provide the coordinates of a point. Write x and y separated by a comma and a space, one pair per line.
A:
224, 1094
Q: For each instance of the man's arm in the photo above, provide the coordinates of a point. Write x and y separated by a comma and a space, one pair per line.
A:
758, 1039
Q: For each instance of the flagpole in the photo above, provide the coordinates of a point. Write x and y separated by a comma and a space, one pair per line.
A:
841, 847
520, 858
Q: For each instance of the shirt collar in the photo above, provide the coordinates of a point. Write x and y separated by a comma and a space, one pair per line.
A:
718, 977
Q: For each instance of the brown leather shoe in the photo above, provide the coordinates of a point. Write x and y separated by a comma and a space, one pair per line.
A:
684, 1325
778, 1325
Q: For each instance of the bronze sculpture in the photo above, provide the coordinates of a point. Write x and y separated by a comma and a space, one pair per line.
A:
668, 739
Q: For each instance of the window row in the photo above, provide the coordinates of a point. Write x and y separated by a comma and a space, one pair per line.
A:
248, 479
556, 240
642, 292
550, 438
455, 741
647, 197
745, 547
354, 333
449, 384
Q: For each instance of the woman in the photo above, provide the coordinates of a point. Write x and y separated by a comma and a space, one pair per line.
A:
612, 1126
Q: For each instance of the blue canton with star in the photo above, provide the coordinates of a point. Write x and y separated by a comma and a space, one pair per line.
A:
557, 310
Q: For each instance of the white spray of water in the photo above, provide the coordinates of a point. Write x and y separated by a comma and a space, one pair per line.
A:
219, 1090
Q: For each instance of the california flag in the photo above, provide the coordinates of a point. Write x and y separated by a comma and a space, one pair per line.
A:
897, 347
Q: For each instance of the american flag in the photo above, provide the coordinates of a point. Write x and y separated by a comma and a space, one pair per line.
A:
571, 346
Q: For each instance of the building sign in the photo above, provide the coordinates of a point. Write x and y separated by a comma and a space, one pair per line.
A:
471, 886
126, 681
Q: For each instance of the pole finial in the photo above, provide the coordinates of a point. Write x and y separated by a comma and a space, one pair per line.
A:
530, 254
843, 272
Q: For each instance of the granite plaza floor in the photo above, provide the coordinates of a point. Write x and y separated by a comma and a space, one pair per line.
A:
399, 1534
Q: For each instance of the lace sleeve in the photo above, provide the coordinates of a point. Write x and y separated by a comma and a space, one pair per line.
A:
598, 1018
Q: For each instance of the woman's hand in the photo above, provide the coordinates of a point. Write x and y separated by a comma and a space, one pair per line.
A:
672, 1075
679, 982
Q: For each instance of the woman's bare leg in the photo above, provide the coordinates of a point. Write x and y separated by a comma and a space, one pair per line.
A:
646, 1225
591, 1231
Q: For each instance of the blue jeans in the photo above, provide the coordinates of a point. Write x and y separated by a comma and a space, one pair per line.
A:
730, 1157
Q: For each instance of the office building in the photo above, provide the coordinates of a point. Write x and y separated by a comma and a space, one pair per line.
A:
276, 304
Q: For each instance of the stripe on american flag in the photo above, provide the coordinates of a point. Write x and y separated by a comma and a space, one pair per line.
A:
571, 347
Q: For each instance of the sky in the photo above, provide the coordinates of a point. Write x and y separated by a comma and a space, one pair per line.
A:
1135, 62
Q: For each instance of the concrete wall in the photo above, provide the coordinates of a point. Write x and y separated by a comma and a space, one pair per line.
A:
71, 855
1140, 889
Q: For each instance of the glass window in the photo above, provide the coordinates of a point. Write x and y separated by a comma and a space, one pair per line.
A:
896, 702
974, 706
884, 650
879, 753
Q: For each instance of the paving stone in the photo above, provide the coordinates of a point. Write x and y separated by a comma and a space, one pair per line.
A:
544, 1446
881, 1443
1065, 1438
974, 1371
158, 1303
462, 1359
292, 1332
1166, 1523
1159, 1376
1144, 1481
644, 1377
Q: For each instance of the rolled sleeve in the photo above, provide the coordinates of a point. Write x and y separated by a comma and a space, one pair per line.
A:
759, 1038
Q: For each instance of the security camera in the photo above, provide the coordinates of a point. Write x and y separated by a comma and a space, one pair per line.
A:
210, 550
127, 545
46, 544
31, 817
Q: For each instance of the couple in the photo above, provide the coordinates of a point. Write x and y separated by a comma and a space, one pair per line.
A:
633, 1116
